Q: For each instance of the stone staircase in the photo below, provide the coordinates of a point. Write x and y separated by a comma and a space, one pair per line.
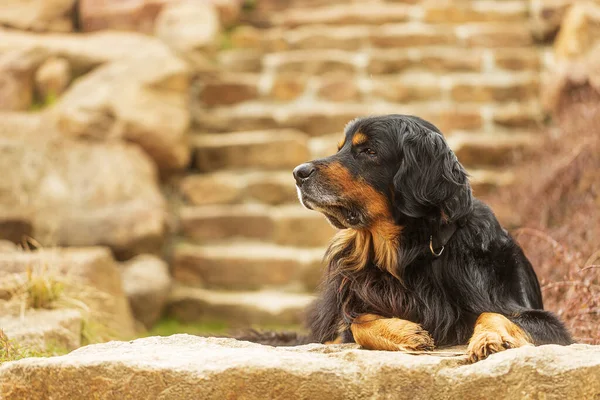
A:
287, 83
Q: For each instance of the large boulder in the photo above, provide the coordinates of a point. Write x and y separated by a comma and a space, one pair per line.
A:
17, 69
579, 32
147, 282
134, 15
141, 15
188, 367
151, 81
38, 15
87, 279
77, 193
189, 28
85, 51
546, 16
150, 108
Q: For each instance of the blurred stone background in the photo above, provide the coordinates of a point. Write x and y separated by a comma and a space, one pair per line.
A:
146, 146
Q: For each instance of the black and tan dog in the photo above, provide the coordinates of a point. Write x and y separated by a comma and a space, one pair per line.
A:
418, 261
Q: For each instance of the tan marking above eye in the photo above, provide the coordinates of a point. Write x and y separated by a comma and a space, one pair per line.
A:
341, 143
359, 138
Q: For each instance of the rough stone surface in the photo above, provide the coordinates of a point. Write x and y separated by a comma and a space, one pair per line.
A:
94, 268
570, 75
188, 367
188, 27
38, 15
345, 14
151, 108
485, 11
289, 225
501, 88
146, 283
410, 88
17, 69
499, 150
226, 90
517, 59
240, 60
136, 15
546, 16
239, 309
322, 118
207, 223
496, 35
14, 226
79, 193
247, 266
436, 60
297, 226
580, 31
288, 86
52, 78
264, 150
85, 52
339, 87
236, 186
41, 329
311, 62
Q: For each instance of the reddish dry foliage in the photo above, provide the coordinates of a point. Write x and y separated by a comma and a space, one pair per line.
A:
557, 200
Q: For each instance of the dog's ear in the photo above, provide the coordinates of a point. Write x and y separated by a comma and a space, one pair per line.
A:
430, 181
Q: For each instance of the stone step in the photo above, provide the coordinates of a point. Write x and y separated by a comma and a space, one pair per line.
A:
230, 187
320, 118
290, 225
403, 87
494, 87
237, 309
383, 13
524, 116
228, 88
391, 36
277, 187
248, 266
270, 149
345, 14
496, 149
473, 149
393, 61
486, 181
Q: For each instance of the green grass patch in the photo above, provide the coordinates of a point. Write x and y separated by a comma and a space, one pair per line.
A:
11, 351
171, 326
41, 103
249, 5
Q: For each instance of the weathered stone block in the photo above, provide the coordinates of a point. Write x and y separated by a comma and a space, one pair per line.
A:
192, 367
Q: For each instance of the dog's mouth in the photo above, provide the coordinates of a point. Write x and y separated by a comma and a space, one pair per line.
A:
340, 216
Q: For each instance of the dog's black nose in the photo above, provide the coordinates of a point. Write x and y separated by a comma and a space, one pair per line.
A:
302, 172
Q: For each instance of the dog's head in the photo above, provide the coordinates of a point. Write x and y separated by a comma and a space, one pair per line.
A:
387, 168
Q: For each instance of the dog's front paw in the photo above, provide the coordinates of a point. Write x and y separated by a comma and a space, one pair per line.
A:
494, 333
392, 334
484, 344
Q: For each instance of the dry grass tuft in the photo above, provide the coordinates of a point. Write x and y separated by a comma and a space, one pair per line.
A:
46, 286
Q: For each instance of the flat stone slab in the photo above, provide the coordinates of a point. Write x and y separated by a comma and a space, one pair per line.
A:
44, 328
189, 367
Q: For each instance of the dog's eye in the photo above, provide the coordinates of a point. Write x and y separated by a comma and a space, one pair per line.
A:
369, 151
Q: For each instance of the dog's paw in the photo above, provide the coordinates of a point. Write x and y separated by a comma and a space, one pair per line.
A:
392, 334
494, 333
484, 344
